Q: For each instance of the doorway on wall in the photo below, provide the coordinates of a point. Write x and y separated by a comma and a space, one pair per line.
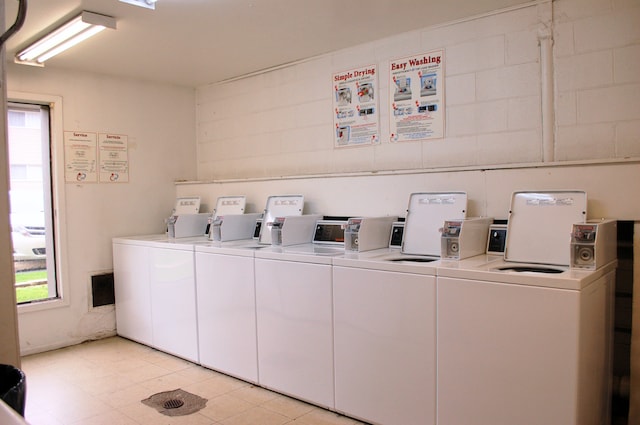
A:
30, 197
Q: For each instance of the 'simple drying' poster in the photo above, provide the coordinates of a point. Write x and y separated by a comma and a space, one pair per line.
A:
355, 107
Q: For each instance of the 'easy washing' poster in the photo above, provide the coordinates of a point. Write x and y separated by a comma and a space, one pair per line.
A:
416, 97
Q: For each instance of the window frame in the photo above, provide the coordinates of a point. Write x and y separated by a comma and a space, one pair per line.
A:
58, 201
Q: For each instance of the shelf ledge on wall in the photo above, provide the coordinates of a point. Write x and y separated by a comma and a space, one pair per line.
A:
556, 164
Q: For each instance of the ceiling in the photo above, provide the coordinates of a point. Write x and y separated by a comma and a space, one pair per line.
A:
197, 42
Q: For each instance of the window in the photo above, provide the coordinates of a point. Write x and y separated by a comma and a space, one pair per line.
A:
30, 198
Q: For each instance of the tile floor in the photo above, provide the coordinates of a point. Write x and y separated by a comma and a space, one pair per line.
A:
102, 383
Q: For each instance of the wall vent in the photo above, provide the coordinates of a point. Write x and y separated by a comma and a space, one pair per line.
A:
102, 292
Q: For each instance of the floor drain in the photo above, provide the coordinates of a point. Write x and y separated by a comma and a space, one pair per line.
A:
173, 403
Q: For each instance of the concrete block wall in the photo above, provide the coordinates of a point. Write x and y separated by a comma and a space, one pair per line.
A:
597, 74
280, 123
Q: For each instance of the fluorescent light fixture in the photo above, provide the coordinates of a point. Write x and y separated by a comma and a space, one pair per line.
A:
68, 35
149, 4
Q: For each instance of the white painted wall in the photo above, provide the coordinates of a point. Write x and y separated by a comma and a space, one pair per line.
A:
159, 122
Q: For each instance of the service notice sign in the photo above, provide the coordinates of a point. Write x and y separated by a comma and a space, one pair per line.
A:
416, 96
114, 158
355, 107
80, 157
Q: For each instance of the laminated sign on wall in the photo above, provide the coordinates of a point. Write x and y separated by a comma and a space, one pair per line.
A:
114, 158
89, 156
416, 96
80, 157
355, 107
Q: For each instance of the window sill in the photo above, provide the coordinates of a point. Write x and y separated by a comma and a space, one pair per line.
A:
42, 305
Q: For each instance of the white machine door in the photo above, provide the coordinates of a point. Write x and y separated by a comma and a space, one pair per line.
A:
385, 345
295, 329
173, 302
133, 303
227, 314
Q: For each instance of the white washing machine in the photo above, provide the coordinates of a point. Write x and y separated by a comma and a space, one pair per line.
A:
385, 336
131, 285
385, 320
226, 308
155, 282
294, 316
227, 298
526, 339
172, 295
384, 340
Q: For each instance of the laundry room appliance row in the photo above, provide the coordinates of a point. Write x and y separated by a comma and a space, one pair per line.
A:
389, 336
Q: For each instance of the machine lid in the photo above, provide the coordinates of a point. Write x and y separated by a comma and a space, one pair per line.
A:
279, 206
540, 223
229, 205
187, 205
425, 216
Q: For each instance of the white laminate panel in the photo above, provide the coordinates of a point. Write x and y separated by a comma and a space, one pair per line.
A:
173, 302
227, 314
507, 354
385, 346
295, 329
132, 296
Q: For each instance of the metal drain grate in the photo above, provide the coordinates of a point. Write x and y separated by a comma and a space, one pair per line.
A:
174, 403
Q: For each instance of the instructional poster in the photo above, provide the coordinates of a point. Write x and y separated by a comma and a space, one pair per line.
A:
114, 158
80, 157
355, 107
416, 96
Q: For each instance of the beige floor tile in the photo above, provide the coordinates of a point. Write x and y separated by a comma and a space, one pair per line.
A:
104, 382
257, 415
224, 407
111, 417
145, 373
253, 394
197, 373
215, 386
78, 408
174, 364
124, 396
289, 407
324, 417
168, 382
126, 365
